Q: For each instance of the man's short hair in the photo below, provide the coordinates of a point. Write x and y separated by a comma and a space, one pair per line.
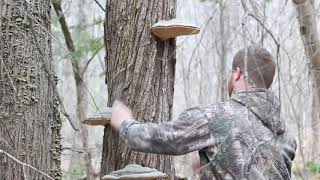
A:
260, 65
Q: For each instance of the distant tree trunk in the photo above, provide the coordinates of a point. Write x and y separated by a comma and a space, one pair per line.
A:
29, 117
140, 71
81, 109
310, 37
221, 44
82, 97
80, 83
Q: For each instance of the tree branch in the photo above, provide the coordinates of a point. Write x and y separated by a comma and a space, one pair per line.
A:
88, 62
267, 30
64, 26
74, 150
101, 7
24, 164
65, 30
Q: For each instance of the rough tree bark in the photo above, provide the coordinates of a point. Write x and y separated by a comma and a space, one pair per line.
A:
310, 37
140, 72
29, 117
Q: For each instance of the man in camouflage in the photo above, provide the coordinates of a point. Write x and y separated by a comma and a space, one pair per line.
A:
241, 138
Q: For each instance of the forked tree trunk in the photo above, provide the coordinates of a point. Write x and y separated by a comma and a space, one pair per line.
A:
140, 72
29, 117
310, 37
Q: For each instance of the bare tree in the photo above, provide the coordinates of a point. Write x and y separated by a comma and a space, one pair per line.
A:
29, 117
222, 47
310, 37
79, 67
140, 72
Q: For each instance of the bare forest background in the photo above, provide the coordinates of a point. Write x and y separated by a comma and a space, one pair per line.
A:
203, 63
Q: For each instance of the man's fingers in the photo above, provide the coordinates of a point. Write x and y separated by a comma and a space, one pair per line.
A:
120, 113
120, 106
116, 103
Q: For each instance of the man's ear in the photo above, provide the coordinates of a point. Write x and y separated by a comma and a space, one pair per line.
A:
237, 74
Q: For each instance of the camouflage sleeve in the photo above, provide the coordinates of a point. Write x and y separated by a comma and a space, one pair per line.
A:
288, 146
188, 133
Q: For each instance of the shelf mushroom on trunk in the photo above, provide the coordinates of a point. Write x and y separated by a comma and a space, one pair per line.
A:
166, 29
102, 117
131, 171
135, 172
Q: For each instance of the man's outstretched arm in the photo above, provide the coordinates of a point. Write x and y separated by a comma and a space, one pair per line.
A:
188, 133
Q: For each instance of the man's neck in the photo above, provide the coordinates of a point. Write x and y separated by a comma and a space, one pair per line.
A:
243, 88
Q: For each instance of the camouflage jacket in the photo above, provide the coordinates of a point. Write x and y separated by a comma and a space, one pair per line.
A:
242, 138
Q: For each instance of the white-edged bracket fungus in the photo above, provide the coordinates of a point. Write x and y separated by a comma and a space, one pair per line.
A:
135, 172
166, 29
102, 117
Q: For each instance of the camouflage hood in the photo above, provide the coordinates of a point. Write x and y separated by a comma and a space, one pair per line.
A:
265, 105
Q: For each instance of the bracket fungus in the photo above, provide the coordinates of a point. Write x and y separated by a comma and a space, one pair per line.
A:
166, 29
135, 172
102, 117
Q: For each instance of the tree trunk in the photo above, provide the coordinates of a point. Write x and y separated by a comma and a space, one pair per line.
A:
29, 117
82, 98
80, 83
221, 44
82, 101
140, 72
310, 37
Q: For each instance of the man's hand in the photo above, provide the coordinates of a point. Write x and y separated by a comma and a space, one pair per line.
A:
195, 161
120, 113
